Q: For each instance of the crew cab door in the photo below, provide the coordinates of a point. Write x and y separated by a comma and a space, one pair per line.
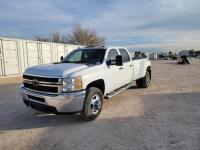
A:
127, 71
113, 73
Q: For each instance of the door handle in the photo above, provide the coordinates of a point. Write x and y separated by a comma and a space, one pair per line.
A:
130, 65
121, 68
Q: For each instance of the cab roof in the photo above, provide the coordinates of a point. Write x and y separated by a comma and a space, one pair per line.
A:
103, 47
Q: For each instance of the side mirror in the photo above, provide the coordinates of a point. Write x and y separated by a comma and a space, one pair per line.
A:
119, 61
61, 58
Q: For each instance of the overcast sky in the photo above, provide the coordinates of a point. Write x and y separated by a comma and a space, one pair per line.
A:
137, 24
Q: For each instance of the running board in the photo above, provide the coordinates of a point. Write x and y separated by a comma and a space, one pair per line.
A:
117, 91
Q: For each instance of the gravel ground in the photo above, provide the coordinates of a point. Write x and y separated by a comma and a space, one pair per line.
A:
166, 116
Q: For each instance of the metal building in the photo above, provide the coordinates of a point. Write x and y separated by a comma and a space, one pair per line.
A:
16, 55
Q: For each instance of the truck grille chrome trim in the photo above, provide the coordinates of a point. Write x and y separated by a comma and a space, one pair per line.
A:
42, 84
42, 78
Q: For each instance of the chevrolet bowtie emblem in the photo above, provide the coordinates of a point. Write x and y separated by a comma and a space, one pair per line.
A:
35, 82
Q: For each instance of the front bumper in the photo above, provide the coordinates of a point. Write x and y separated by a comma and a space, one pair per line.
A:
64, 102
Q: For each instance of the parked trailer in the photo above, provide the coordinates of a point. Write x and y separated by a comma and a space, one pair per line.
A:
16, 54
153, 56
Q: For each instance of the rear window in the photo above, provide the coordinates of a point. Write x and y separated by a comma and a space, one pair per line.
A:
125, 56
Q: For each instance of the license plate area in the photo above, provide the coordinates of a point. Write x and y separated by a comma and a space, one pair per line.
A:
39, 99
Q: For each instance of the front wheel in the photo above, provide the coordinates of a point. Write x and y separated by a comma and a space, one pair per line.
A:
93, 104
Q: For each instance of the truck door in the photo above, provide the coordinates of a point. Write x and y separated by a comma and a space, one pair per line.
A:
127, 71
113, 73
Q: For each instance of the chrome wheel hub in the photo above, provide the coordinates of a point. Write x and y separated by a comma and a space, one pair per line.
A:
95, 105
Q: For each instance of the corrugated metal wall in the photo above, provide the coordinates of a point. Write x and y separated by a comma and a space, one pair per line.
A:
16, 55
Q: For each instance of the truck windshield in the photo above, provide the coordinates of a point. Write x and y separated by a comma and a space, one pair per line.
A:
91, 56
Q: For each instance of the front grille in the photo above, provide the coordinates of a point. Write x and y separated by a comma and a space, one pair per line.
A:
41, 88
43, 84
45, 79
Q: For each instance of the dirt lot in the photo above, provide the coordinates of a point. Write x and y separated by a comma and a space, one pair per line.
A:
165, 116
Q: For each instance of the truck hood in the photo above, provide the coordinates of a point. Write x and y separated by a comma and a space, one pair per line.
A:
55, 70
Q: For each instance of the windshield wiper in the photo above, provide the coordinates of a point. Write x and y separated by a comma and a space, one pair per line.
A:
76, 62
81, 62
66, 62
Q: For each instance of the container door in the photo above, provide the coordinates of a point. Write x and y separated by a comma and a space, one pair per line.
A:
1, 69
60, 51
10, 57
46, 53
32, 54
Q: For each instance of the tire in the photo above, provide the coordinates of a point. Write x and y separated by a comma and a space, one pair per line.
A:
93, 104
138, 82
145, 81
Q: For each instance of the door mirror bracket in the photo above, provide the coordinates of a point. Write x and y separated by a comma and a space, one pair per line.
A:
61, 58
119, 61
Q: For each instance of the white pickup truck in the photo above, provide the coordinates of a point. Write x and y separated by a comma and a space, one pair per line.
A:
80, 82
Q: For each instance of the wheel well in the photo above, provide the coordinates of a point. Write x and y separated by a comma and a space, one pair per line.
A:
149, 70
98, 84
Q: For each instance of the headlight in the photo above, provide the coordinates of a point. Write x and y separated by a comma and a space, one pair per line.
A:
72, 84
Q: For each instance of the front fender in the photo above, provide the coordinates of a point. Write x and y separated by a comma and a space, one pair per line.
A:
87, 79
91, 74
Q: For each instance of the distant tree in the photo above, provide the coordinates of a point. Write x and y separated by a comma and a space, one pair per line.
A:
54, 37
43, 39
85, 36
79, 36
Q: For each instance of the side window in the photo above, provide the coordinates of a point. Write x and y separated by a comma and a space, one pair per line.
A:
125, 56
112, 54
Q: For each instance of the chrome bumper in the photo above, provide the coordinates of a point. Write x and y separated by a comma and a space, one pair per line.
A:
64, 102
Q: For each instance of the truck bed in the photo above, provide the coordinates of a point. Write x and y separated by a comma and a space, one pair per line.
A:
139, 68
